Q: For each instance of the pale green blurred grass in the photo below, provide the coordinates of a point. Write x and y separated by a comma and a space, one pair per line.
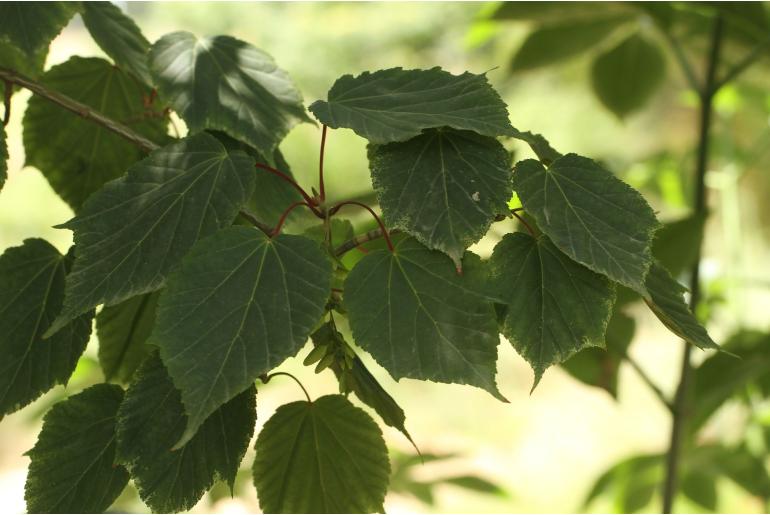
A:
545, 449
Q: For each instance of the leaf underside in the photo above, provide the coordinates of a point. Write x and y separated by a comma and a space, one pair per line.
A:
322, 457
239, 304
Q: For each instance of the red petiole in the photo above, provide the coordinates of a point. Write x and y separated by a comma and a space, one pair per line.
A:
282, 220
385, 234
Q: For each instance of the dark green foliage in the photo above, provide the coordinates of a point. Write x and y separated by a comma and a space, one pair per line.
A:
31, 295
72, 466
152, 419
31, 26
325, 456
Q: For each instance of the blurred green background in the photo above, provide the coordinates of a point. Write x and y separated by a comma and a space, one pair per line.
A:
543, 451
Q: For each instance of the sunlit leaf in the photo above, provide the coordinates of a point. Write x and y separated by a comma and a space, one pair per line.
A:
31, 295
325, 456
444, 187
419, 319
72, 467
226, 84
152, 419
238, 305
396, 104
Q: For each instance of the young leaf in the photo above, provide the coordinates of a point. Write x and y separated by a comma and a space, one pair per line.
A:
238, 305
31, 294
119, 37
31, 26
556, 306
72, 468
444, 187
123, 330
325, 456
226, 84
590, 215
600, 367
135, 229
3, 157
665, 298
396, 104
625, 77
420, 319
151, 420
364, 384
78, 156
567, 38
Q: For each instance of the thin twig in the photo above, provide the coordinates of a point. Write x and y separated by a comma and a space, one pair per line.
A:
360, 240
524, 222
321, 165
310, 200
742, 65
277, 230
385, 234
684, 63
78, 108
649, 382
682, 398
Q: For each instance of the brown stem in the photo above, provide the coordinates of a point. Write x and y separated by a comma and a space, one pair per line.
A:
321, 165
285, 215
524, 222
310, 200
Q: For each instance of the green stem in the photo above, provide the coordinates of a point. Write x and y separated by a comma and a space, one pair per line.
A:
743, 65
266, 379
649, 382
683, 398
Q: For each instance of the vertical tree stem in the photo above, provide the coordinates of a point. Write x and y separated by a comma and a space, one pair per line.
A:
683, 398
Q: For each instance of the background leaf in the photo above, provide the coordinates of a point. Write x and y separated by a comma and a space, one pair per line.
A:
74, 456
676, 245
31, 295
226, 84
419, 319
239, 304
396, 104
152, 419
443, 187
322, 457
78, 156
31, 26
130, 234
625, 77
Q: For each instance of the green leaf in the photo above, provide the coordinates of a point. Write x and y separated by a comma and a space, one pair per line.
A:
590, 215
556, 306
396, 104
539, 145
665, 299
123, 330
13, 58
676, 245
419, 319
31, 26
239, 304
444, 187
151, 420
226, 84
31, 294
721, 376
631, 482
625, 77
131, 233
475, 483
72, 468
555, 11
119, 37
76, 155
363, 383
700, 487
560, 41
325, 456
600, 367
3, 157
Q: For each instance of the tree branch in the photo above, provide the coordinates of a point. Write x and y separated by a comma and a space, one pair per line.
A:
742, 65
82, 110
